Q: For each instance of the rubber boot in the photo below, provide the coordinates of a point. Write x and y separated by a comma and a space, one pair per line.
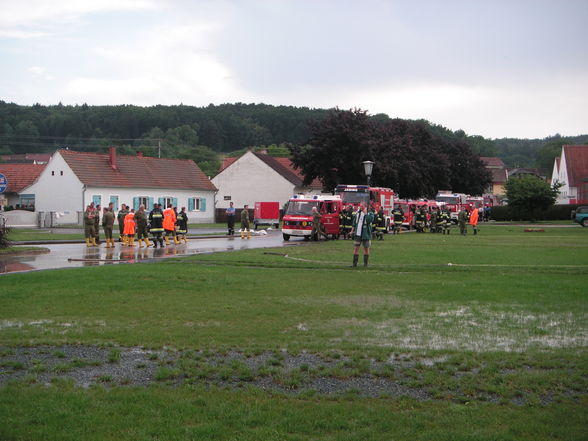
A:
132, 241
140, 243
355, 259
176, 240
155, 242
366, 257
166, 240
111, 243
94, 244
161, 242
147, 243
248, 234
242, 234
88, 242
475, 231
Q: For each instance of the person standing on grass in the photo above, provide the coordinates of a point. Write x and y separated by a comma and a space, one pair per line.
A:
97, 224
462, 219
230, 212
474, 220
362, 233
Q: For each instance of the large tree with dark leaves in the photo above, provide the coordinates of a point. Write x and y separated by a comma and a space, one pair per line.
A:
409, 158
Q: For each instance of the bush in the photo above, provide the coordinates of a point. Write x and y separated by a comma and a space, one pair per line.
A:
4, 242
555, 212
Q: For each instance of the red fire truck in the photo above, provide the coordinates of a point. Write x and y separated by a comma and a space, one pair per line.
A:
454, 201
297, 220
375, 197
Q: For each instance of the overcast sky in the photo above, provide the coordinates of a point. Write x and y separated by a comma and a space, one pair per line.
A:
512, 68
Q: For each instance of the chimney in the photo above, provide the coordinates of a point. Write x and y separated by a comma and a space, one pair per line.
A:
112, 157
139, 154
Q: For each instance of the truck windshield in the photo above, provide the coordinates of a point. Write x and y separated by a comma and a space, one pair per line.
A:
301, 208
447, 199
354, 197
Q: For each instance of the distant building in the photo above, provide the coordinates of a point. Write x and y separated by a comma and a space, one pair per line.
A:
571, 170
72, 180
499, 174
19, 177
259, 177
27, 158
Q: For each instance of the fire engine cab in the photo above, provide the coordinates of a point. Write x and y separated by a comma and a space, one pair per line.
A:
298, 220
453, 201
376, 197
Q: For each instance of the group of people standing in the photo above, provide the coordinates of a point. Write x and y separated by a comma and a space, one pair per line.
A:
245, 230
162, 224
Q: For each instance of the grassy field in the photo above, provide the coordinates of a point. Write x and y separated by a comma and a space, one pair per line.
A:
491, 328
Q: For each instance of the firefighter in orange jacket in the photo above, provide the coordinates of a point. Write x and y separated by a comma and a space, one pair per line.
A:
129, 232
474, 220
169, 224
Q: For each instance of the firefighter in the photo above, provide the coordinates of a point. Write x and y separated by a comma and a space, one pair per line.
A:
433, 226
156, 225
398, 215
445, 217
107, 224
380, 223
245, 222
89, 227
141, 223
169, 224
97, 224
462, 219
129, 232
362, 233
420, 220
318, 228
347, 222
182, 225
474, 220
124, 210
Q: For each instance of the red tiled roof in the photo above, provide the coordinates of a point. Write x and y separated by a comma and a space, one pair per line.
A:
20, 176
498, 175
94, 169
491, 161
577, 163
226, 162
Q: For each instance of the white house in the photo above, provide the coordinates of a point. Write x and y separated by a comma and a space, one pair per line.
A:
72, 180
259, 177
19, 177
571, 170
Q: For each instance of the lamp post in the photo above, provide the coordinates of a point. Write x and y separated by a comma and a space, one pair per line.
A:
368, 166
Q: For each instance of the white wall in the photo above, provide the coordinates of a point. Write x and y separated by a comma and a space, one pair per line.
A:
249, 180
126, 195
565, 191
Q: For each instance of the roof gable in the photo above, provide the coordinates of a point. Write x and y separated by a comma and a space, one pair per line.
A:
94, 169
490, 161
576, 163
20, 176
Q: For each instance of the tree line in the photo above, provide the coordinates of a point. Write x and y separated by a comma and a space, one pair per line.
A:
204, 134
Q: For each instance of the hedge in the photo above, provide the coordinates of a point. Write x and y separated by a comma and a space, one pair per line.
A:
555, 212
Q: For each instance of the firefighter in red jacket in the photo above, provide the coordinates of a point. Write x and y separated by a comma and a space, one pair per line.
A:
169, 224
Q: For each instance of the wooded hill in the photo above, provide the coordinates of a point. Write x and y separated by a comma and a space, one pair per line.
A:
205, 133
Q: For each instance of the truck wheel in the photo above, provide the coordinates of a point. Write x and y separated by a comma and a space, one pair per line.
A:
286, 236
585, 222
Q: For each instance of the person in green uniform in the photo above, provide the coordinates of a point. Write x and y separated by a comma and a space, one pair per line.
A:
433, 221
89, 227
245, 222
362, 233
462, 219
107, 224
97, 211
124, 210
317, 227
142, 231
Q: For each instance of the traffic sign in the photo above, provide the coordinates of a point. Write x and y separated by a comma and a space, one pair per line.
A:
3, 183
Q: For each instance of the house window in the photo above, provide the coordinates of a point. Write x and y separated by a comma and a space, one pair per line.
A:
114, 201
97, 199
227, 198
165, 201
196, 204
143, 200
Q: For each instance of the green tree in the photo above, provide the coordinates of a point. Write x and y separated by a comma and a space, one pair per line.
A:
528, 195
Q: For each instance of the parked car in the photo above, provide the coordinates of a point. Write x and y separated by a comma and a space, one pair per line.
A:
580, 215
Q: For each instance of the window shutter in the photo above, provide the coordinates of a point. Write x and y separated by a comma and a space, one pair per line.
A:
150, 201
136, 203
161, 202
203, 204
114, 200
175, 202
190, 204
97, 199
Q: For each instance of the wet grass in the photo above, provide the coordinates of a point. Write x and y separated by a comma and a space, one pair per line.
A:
505, 323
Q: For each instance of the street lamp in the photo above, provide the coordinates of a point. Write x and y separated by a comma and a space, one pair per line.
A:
368, 166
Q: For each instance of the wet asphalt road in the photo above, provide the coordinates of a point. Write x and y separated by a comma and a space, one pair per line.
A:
72, 255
